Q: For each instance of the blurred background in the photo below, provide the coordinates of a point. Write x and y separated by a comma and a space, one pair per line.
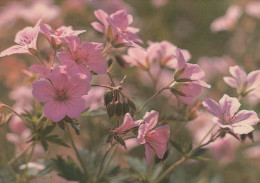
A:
216, 39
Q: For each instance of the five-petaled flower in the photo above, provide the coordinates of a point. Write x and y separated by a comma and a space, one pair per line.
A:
242, 82
54, 36
26, 40
226, 115
116, 27
83, 57
62, 93
153, 139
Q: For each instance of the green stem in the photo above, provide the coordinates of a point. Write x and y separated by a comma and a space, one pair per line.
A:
10, 108
105, 86
19, 154
152, 97
42, 61
106, 49
77, 154
207, 134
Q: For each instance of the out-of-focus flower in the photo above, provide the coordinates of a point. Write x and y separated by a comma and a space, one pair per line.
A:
83, 56
139, 57
153, 139
228, 21
127, 125
159, 3
62, 95
54, 36
214, 66
40, 69
116, 27
226, 115
253, 9
26, 40
111, 6
38, 9
165, 53
33, 165
94, 99
242, 82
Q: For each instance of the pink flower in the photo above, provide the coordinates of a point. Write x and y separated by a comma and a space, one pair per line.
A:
83, 56
95, 98
116, 27
190, 91
63, 94
244, 83
188, 71
54, 35
227, 21
153, 139
127, 125
165, 53
253, 9
26, 40
227, 116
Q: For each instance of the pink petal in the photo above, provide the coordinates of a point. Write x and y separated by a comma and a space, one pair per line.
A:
59, 78
246, 117
120, 19
74, 107
238, 74
143, 129
101, 16
73, 42
17, 49
229, 105
253, 80
231, 82
46, 30
212, 107
128, 124
65, 58
148, 153
158, 140
78, 86
54, 110
151, 119
42, 70
43, 91
98, 27
242, 129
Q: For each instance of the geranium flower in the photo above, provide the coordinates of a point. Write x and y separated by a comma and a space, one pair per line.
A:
62, 93
244, 83
228, 21
128, 124
41, 70
153, 139
227, 116
116, 27
83, 56
26, 40
54, 35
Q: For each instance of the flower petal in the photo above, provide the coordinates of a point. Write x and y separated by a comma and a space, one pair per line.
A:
54, 110
43, 91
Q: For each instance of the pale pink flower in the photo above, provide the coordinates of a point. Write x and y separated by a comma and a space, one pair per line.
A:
127, 125
215, 66
26, 40
62, 93
190, 90
95, 98
241, 81
165, 53
54, 36
153, 139
253, 9
139, 57
83, 57
111, 6
226, 115
116, 27
228, 21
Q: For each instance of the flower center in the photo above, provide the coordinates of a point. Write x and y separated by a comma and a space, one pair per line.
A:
61, 95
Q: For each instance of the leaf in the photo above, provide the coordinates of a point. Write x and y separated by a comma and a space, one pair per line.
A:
61, 125
98, 112
199, 152
44, 145
120, 141
48, 130
177, 92
56, 140
178, 73
68, 169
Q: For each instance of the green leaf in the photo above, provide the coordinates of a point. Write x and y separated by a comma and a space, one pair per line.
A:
177, 92
44, 144
48, 130
120, 141
199, 152
56, 140
178, 73
68, 169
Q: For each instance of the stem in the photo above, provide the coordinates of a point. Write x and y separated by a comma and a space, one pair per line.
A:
10, 108
77, 154
169, 169
19, 154
154, 95
105, 86
111, 79
106, 49
42, 61
210, 130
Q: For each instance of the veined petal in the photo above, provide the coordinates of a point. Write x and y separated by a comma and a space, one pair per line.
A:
54, 110
212, 107
43, 91
231, 82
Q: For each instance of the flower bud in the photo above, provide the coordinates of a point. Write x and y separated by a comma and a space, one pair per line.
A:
111, 109
119, 108
125, 108
131, 104
108, 97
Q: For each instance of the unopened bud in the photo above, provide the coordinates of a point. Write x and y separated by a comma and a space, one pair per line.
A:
111, 109
131, 104
125, 108
108, 97
119, 108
